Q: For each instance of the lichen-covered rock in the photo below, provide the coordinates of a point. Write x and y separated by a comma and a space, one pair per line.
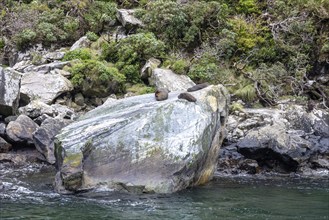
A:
21, 130
44, 136
139, 144
165, 78
9, 91
45, 87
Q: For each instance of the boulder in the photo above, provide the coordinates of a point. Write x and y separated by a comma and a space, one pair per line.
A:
82, 42
4, 146
37, 108
2, 129
126, 18
21, 130
165, 78
53, 56
140, 145
148, 68
46, 68
282, 140
9, 91
45, 87
44, 136
22, 65
61, 72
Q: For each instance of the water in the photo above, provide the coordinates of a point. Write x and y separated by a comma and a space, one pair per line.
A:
26, 194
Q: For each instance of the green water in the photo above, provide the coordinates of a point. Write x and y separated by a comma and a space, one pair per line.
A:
31, 197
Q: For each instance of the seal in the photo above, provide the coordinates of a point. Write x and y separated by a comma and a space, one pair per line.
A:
161, 94
198, 87
187, 96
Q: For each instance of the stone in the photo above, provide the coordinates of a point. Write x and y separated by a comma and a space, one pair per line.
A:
36, 108
139, 144
9, 91
46, 68
282, 140
53, 56
64, 73
79, 99
10, 118
43, 137
22, 65
126, 18
82, 42
45, 87
2, 129
21, 130
149, 66
4, 146
165, 78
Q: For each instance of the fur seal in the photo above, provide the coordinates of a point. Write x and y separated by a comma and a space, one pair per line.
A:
187, 96
198, 87
161, 94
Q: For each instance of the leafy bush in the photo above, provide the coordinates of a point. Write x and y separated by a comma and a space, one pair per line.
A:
130, 53
99, 14
80, 54
26, 37
96, 78
92, 36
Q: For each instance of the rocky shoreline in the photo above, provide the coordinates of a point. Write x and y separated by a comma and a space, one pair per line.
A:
37, 101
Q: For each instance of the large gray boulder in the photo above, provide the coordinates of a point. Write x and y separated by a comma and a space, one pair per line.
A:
165, 78
9, 91
140, 144
286, 139
44, 136
45, 87
21, 130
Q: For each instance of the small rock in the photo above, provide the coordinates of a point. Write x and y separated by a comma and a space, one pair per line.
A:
4, 146
79, 99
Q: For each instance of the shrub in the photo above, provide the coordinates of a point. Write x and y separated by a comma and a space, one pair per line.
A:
80, 54
96, 78
92, 36
26, 37
130, 53
99, 14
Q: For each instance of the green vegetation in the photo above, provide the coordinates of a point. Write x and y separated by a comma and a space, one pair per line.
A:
261, 50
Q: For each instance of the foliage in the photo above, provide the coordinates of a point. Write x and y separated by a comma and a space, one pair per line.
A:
92, 36
80, 54
130, 53
99, 14
140, 89
26, 37
96, 78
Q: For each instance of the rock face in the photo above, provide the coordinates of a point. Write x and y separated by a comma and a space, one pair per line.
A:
283, 140
9, 91
45, 87
165, 78
141, 145
21, 130
44, 136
